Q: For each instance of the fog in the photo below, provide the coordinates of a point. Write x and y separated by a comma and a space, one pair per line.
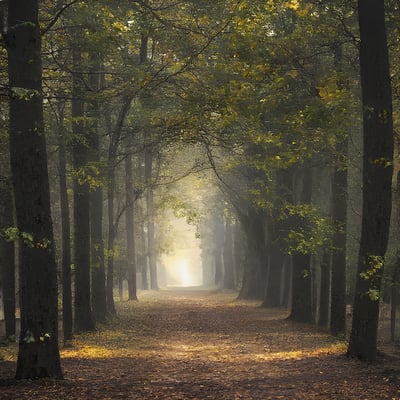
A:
181, 265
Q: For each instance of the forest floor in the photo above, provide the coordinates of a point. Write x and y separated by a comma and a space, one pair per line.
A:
182, 344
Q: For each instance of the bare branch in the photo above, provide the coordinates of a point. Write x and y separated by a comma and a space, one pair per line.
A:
57, 16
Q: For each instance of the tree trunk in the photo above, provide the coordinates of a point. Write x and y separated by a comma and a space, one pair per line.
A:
143, 258
275, 260
130, 228
99, 304
83, 319
229, 262
339, 216
377, 177
301, 274
238, 253
110, 244
65, 242
254, 274
151, 250
38, 355
324, 290
7, 257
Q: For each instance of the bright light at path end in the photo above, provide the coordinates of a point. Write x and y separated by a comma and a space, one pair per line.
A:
186, 278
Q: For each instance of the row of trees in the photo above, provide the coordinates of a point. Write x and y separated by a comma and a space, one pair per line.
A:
263, 94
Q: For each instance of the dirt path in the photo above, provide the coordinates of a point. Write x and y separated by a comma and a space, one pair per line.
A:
201, 345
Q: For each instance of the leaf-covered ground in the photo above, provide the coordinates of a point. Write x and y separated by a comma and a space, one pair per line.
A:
205, 345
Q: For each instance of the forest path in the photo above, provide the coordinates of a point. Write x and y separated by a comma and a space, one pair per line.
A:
182, 344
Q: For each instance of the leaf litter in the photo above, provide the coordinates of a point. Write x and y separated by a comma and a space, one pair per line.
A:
182, 344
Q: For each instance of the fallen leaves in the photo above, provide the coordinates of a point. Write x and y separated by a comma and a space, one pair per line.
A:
202, 345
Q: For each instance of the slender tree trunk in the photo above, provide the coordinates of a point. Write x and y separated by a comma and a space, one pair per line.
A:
148, 161
377, 177
394, 301
83, 319
112, 155
395, 275
238, 253
99, 304
229, 266
65, 242
110, 245
38, 355
339, 216
130, 228
143, 257
7, 257
275, 260
324, 290
287, 280
301, 278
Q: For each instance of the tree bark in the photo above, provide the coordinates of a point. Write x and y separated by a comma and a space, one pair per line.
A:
83, 318
98, 292
130, 228
38, 355
301, 273
339, 216
229, 262
7, 256
151, 250
377, 177
254, 274
276, 258
324, 290
65, 241
110, 242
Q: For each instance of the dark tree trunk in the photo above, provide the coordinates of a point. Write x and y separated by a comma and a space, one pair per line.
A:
7, 257
238, 253
83, 319
395, 275
38, 355
339, 216
219, 267
276, 258
394, 301
254, 274
130, 228
97, 256
110, 243
65, 242
218, 231
151, 250
229, 263
112, 232
377, 177
301, 275
143, 257
324, 290
98, 292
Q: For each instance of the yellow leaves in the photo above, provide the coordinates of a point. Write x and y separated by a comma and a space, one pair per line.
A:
292, 4
119, 26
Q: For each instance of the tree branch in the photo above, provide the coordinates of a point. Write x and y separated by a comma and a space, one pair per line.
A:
57, 17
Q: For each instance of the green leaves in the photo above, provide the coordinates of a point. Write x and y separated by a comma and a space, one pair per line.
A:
13, 233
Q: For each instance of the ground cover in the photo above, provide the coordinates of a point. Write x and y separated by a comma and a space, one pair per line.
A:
182, 344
